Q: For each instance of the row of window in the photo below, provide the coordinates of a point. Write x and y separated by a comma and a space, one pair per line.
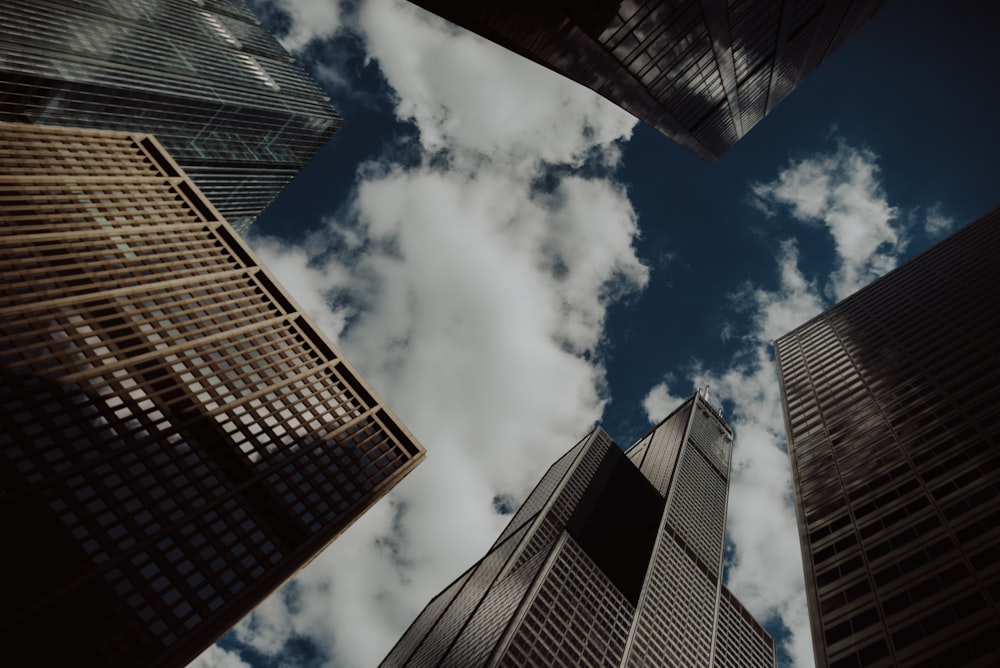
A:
121, 412
577, 617
739, 640
676, 590
698, 507
453, 619
658, 460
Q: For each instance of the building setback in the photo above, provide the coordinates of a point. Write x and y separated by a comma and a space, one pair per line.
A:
614, 559
215, 88
892, 406
701, 73
178, 438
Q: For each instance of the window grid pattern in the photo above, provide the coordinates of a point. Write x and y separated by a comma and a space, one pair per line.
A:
428, 617
740, 639
658, 460
677, 589
754, 27
490, 620
183, 433
217, 90
580, 478
891, 406
542, 493
712, 438
572, 612
441, 638
637, 452
544, 535
703, 74
697, 508
577, 618
666, 46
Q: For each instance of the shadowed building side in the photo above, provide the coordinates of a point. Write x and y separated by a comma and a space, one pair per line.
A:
892, 407
178, 438
700, 72
614, 559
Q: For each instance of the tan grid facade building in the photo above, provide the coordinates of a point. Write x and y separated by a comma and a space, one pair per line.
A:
701, 72
178, 438
615, 560
892, 406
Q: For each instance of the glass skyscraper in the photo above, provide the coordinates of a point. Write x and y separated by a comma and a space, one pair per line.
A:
615, 559
215, 88
892, 406
177, 438
702, 73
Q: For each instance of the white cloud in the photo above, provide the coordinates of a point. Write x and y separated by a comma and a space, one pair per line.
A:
309, 20
660, 402
774, 314
307, 284
216, 657
842, 191
463, 91
474, 334
473, 299
936, 223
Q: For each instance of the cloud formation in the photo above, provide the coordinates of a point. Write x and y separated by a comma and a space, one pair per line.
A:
936, 223
661, 401
465, 93
470, 287
216, 657
840, 191
307, 20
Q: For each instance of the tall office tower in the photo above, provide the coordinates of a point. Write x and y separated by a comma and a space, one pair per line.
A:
892, 405
177, 437
214, 87
702, 73
615, 559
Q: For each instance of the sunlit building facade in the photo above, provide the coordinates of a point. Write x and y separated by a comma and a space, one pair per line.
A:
614, 559
702, 73
203, 76
177, 437
892, 406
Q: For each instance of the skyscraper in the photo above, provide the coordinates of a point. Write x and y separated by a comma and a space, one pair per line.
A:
223, 97
614, 559
892, 406
702, 73
178, 439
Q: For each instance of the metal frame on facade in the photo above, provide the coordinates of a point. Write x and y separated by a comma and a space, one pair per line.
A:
178, 437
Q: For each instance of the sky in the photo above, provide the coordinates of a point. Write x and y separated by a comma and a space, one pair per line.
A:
509, 259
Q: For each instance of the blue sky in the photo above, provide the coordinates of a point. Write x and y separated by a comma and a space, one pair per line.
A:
509, 259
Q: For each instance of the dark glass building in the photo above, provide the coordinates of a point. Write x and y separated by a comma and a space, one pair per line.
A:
614, 559
177, 437
214, 87
892, 406
702, 73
